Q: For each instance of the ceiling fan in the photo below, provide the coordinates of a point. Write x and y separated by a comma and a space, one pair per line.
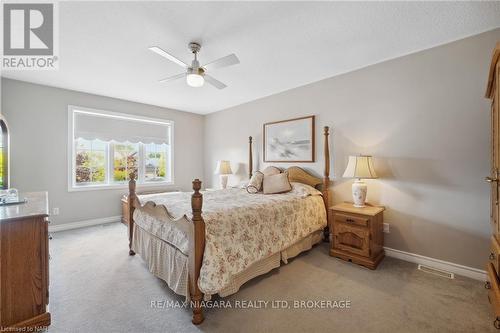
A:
195, 74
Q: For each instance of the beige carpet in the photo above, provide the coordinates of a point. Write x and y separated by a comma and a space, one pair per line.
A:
97, 287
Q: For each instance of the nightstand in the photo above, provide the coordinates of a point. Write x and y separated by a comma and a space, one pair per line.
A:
357, 234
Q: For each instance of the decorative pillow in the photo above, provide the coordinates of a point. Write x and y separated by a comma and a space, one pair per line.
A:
255, 183
277, 184
304, 190
271, 170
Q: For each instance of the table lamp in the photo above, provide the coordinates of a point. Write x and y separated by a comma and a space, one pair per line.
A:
359, 167
223, 169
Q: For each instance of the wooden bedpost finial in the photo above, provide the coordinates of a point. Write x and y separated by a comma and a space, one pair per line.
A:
196, 185
132, 182
196, 200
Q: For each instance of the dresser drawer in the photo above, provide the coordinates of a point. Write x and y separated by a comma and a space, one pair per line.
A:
349, 219
352, 239
494, 258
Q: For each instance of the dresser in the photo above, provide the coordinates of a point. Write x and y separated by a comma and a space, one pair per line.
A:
357, 234
492, 266
24, 265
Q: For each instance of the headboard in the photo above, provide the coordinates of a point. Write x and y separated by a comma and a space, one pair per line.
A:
297, 174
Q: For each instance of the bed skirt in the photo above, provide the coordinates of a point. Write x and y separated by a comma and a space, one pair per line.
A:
171, 265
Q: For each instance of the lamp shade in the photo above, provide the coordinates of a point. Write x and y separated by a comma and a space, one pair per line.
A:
223, 168
360, 166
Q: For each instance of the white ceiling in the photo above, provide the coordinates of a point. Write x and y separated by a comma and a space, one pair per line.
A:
103, 46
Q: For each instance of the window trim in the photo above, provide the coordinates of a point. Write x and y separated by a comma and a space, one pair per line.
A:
72, 187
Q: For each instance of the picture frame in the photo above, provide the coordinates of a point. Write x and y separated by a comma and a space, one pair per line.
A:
290, 140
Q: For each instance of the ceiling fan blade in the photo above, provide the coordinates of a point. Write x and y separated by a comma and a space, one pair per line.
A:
171, 78
170, 57
226, 61
216, 83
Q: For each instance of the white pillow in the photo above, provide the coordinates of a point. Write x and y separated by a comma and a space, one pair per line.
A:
255, 183
304, 190
276, 184
271, 170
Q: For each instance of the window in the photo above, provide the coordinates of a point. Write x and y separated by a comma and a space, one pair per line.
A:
155, 162
90, 162
125, 161
108, 147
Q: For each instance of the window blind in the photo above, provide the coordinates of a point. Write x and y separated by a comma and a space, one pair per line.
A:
106, 127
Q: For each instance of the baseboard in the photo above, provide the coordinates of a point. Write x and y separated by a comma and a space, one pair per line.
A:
82, 224
473, 273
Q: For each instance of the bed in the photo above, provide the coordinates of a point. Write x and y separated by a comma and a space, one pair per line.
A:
236, 237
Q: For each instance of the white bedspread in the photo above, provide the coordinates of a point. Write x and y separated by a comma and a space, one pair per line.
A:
241, 228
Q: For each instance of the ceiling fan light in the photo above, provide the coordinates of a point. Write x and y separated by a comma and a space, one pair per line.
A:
195, 80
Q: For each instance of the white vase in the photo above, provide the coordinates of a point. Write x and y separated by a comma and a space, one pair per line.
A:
359, 190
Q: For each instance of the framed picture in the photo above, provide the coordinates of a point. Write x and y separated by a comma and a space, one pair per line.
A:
289, 140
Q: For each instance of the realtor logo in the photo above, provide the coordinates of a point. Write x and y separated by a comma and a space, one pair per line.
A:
29, 32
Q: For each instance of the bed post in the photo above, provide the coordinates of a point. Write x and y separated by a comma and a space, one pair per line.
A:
131, 200
197, 248
250, 158
326, 180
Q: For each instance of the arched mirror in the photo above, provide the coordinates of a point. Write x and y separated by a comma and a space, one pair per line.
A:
4, 154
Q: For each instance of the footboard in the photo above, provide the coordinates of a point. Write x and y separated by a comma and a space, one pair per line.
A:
194, 228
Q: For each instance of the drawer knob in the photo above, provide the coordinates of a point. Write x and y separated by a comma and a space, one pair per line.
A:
349, 220
487, 285
492, 256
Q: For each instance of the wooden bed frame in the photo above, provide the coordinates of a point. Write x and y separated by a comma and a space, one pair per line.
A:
195, 227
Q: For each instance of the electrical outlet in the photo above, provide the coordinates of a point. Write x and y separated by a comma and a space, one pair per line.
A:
55, 211
386, 228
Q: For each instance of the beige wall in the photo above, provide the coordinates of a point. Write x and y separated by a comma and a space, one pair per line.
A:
37, 117
425, 120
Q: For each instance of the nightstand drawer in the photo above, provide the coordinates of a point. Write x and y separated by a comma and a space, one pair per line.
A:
349, 219
352, 239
